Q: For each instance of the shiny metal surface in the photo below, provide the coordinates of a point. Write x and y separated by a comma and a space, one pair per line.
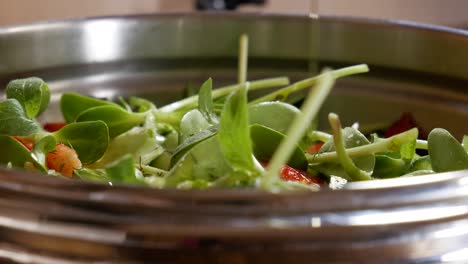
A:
413, 68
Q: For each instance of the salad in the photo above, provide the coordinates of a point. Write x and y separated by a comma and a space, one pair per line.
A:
216, 139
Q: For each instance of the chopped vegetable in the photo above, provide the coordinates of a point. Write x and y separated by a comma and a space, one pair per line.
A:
63, 160
216, 139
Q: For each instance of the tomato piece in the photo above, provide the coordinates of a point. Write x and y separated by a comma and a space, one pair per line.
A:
289, 173
405, 123
26, 142
63, 159
52, 127
314, 148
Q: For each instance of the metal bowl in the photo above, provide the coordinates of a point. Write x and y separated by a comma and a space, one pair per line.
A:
414, 68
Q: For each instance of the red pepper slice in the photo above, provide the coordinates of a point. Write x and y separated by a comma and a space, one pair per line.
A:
28, 144
52, 127
314, 148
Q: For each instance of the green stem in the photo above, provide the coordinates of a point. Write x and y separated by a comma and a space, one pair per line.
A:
243, 53
151, 170
421, 144
351, 169
192, 101
388, 144
310, 108
320, 136
171, 118
282, 94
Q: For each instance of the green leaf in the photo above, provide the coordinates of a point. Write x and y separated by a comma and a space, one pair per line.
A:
89, 139
13, 121
205, 161
87, 174
205, 102
42, 147
234, 133
32, 93
275, 115
192, 123
265, 141
16, 154
352, 138
389, 167
422, 163
123, 171
192, 141
465, 142
140, 104
72, 104
171, 141
395, 164
138, 142
194, 184
446, 153
163, 161
407, 150
117, 119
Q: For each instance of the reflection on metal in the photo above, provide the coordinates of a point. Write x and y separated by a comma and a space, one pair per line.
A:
407, 216
459, 256
102, 41
315, 222
456, 230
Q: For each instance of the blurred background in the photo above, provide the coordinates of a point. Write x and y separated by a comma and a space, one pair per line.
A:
443, 12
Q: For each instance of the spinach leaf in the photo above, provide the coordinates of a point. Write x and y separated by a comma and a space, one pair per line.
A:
234, 132
117, 119
389, 167
190, 142
394, 164
163, 161
42, 147
446, 153
15, 153
407, 150
275, 115
204, 162
123, 171
192, 123
422, 163
205, 102
265, 141
72, 104
13, 120
89, 139
32, 93
98, 175
139, 142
